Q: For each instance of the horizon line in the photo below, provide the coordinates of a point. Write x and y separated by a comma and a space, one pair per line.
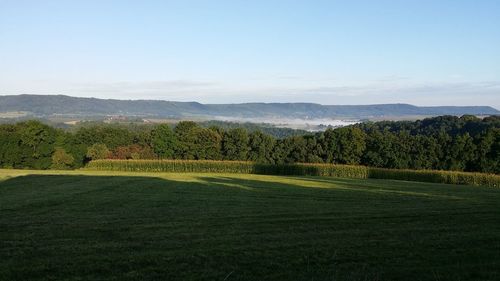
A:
193, 101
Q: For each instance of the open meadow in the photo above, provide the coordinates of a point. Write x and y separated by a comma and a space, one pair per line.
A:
98, 225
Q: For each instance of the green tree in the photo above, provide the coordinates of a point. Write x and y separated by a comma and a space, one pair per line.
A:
425, 151
261, 147
460, 153
402, 148
98, 151
217, 129
40, 138
207, 145
488, 152
345, 145
378, 149
112, 135
235, 144
296, 149
186, 133
61, 159
163, 141
69, 142
314, 149
12, 152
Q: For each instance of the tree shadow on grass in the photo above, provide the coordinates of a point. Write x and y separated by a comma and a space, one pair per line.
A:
67, 186
315, 185
154, 228
424, 189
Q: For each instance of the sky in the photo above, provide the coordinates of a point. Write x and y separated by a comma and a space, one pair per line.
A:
422, 52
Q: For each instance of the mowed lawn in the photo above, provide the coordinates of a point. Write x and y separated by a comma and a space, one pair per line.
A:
118, 226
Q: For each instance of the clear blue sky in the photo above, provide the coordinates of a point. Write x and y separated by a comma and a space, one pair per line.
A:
424, 52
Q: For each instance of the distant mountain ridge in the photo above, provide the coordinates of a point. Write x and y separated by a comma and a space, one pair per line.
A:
49, 105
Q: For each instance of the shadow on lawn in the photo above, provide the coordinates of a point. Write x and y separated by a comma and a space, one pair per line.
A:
199, 228
303, 185
101, 182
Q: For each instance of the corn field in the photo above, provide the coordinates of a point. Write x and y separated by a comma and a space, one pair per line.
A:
174, 166
299, 169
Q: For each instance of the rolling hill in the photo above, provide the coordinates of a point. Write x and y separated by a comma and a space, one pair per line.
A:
50, 105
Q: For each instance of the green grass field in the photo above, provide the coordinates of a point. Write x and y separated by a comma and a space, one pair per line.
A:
83, 225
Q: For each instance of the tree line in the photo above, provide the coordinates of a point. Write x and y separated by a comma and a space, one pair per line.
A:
464, 143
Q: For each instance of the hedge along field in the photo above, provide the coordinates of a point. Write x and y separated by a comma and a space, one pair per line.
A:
299, 169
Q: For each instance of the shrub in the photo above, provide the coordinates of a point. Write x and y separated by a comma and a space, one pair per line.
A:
133, 151
61, 159
98, 151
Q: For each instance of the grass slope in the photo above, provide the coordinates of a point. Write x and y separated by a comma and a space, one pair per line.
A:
100, 226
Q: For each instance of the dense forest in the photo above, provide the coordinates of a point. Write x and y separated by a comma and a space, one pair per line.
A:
464, 143
270, 129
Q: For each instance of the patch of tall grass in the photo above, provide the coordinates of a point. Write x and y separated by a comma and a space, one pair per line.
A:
299, 169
